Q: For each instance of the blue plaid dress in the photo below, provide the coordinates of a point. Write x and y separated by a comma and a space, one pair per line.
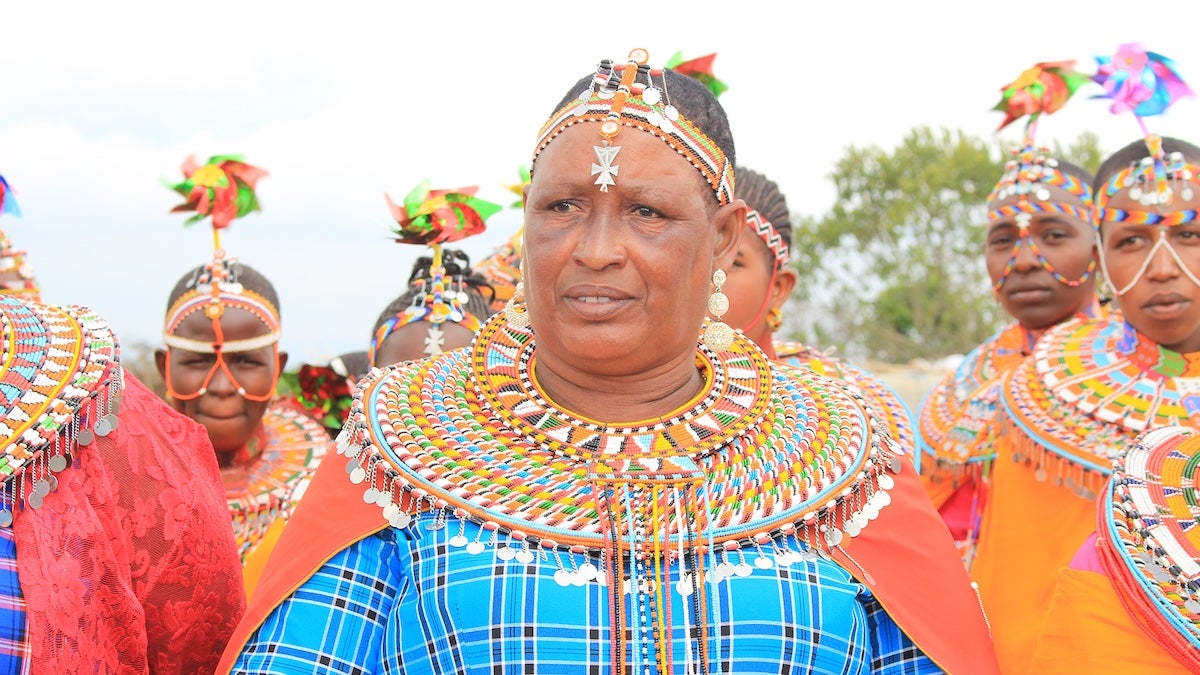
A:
14, 643
406, 601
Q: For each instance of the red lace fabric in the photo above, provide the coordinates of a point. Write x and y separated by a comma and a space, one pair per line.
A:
130, 566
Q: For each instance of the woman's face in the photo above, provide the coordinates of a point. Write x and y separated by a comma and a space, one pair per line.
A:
754, 287
1164, 304
1030, 293
617, 282
230, 418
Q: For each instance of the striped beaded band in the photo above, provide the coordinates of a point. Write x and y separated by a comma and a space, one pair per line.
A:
653, 118
227, 295
1135, 178
1149, 541
1030, 175
1083, 213
779, 247
60, 389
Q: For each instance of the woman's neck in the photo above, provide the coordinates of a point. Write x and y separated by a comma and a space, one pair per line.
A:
620, 398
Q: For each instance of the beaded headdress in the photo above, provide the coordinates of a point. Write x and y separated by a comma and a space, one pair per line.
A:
60, 389
1041, 90
433, 218
1146, 84
223, 189
632, 94
13, 259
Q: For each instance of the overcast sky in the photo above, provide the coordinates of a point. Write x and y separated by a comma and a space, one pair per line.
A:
101, 102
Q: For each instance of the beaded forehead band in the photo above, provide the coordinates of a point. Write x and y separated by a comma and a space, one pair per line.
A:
635, 95
223, 189
433, 218
1040, 90
771, 237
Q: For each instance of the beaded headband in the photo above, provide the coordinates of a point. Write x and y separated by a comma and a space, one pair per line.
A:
628, 95
61, 390
1145, 84
775, 242
433, 218
1041, 90
11, 258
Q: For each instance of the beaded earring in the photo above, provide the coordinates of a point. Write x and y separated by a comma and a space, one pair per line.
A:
718, 336
515, 311
774, 319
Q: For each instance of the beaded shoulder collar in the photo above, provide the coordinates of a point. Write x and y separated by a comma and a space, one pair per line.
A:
1149, 540
954, 424
884, 401
60, 388
1090, 386
774, 449
293, 445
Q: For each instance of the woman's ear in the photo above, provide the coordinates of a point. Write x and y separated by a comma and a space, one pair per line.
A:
730, 221
782, 285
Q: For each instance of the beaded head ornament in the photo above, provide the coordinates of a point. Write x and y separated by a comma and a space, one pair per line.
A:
20, 280
632, 94
1040, 90
434, 218
1145, 84
223, 189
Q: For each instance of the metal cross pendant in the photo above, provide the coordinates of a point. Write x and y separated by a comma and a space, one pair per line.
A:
434, 340
605, 154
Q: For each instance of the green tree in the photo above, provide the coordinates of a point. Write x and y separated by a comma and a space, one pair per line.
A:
894, 270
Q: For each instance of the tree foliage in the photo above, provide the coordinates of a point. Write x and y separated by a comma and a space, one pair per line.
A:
894, 270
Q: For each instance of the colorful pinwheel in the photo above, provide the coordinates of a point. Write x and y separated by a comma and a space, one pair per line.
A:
1042, 89
519, 188
699, 68
8, 200
1139, 81
440, 216
222, 188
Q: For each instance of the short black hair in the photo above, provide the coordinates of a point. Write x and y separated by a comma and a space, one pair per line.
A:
763, 195
458, 266
1134, 153
250, 279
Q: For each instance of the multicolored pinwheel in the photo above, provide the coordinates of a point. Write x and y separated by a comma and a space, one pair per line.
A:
1042, 89
1142, 82
440, 216
222, 188
700, 68
8, 200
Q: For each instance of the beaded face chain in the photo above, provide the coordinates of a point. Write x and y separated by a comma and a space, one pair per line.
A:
214, 290
1024, 215
627, 95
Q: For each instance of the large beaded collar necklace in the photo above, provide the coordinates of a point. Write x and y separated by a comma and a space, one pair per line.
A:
1089, 388
293, 443
60, 389
762, 454
1149, 541
955, 423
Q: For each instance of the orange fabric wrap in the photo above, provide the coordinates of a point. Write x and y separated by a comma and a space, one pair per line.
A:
1087, 630
1031, 530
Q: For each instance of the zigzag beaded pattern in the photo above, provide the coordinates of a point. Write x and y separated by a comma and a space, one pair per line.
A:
806, 464
1088, 390
293, 446
60, 377
770, 236
1151, 514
